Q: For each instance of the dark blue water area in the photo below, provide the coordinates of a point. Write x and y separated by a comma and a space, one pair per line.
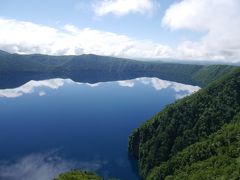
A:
54, 125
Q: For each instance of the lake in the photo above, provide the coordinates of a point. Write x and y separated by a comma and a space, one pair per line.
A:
54, 125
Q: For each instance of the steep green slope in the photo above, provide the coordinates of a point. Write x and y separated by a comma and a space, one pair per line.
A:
208, 74
185, 122
216, 157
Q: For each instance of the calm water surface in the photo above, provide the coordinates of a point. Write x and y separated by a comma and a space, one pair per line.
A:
51, 126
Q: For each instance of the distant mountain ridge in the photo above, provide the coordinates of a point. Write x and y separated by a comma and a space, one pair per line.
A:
61, 66
4, 53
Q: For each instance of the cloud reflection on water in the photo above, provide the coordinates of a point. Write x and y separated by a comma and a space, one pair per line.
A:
30, 86
43, 166
181, 90
126, 83
156, 83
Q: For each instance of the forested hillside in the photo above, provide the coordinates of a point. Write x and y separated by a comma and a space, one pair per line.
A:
197, 136
65, 66
216, 157
78, 175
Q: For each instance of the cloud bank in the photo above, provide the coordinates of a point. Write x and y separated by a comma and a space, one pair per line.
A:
218, 19
26, 37
123, 7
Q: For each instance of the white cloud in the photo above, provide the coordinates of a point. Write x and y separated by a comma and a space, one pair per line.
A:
218, 19
26, 37
123, 7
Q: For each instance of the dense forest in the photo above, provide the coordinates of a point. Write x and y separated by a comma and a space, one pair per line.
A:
216, 157
15, 65
78, 175
197, 137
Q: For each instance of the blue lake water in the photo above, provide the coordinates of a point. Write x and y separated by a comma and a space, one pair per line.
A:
51, 126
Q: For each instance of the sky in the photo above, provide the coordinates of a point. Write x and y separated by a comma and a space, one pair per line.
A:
201, 30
